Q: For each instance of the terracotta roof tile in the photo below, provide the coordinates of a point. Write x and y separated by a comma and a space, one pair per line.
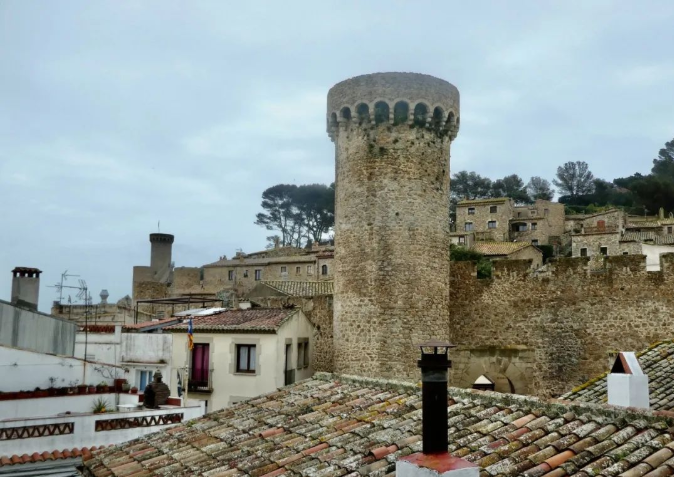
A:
46, 456
253, 319
657, 361
499, 248
331, 426
300, 289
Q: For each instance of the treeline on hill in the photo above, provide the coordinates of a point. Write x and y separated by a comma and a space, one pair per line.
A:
578, 189
299, 214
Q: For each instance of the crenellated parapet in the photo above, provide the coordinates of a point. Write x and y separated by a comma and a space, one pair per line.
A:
394, 99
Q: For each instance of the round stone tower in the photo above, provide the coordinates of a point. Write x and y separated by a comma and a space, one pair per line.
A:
392, 135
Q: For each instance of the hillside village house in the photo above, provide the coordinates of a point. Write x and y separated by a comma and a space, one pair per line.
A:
510, 251
239, 354
501, 220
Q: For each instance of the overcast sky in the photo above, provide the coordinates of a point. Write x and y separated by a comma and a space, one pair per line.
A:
117, 115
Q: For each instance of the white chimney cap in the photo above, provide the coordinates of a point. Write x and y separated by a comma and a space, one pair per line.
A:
627, 363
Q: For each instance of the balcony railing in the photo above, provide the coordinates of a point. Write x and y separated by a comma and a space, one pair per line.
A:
198, 383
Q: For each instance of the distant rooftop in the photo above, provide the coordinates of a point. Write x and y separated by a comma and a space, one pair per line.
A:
497, 200
499, 248
254, 319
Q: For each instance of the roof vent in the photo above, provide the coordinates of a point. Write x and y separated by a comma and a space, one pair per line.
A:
627, 384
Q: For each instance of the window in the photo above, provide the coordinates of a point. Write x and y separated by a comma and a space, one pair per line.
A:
245, 358
519, 214
200, 366
300, 355
284, 269
493, 209
669, 230
324, 269
534, 225
468, 226
298, 270
471, 210
532, 213
626, 253
258, 275
462, 240
310, 269
583, 252
303, 353
519, 227
603, 250
491, 224
145, 378
534, 242
245, 274
546, 212
230, 275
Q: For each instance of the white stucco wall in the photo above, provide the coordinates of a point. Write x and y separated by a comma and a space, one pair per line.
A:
230, 387
24, 370
133, 351
35, 331
653, 253
53, 405
84, 431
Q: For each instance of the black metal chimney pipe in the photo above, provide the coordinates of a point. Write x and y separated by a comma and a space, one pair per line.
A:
434, 368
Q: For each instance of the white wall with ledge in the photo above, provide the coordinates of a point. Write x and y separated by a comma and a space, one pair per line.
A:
26, 370
53, 405
84, 433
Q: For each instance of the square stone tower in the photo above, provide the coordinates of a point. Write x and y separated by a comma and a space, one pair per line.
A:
392, 135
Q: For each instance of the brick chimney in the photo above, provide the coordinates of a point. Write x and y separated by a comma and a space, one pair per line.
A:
627, 384
26, 287
434, 460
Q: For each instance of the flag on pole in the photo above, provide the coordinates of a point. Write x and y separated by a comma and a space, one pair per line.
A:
190, 335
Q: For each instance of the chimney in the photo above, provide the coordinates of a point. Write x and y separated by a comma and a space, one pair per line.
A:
434, 460
26, 287
627, 384
104, 297
160, 255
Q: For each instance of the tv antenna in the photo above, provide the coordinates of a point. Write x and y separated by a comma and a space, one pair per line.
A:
60, 286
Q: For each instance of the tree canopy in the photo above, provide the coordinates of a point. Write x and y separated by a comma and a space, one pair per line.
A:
298, 213
574, 179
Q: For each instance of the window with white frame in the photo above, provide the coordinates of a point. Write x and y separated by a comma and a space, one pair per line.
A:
230, 275
144, 378
491, 224
258, 275
471, 210
468, 226
310, 269
298, 270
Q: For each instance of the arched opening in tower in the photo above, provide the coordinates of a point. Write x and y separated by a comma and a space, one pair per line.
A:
420, 114
401, 112
381, 112
363, 112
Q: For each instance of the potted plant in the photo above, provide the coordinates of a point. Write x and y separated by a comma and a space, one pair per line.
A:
103, 387
40, 392
134, 390
91, 389
126, 387
99, 406
82, 389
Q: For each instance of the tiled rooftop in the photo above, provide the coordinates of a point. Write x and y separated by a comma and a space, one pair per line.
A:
15, 459
499, 200
238, 320
235, 262
303, 289
499, 248
657, 361
657, 239
330, 426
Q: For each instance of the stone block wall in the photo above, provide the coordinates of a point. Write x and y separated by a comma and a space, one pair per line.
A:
547, 334
480, 219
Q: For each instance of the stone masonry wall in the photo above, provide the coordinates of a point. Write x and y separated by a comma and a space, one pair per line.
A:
547, 334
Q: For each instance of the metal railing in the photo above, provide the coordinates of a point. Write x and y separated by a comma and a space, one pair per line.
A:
199, 383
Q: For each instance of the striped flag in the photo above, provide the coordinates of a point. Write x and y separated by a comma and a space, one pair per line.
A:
190, 335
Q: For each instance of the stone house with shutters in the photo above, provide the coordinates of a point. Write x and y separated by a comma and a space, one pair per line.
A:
486, 219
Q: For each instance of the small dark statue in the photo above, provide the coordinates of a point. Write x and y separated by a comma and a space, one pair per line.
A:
156, 393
